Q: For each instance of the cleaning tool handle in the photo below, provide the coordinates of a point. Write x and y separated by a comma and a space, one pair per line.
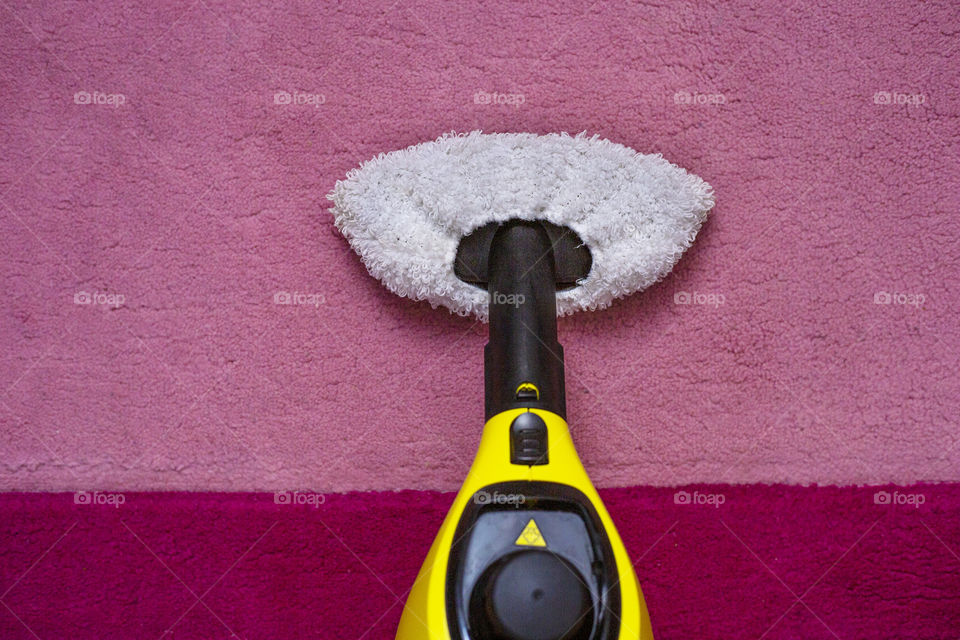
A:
523, 360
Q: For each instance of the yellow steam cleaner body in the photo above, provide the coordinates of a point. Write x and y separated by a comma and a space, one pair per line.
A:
528, 550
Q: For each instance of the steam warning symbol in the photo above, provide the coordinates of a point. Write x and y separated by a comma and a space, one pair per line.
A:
531, 536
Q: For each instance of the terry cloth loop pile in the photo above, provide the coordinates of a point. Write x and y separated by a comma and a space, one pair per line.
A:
405, 212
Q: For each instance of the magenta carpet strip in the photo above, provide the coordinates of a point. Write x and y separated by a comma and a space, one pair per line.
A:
714, 561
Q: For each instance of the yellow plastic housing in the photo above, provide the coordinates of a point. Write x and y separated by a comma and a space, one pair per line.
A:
425, 614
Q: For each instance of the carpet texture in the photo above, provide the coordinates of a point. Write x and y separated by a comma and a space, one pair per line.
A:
339, 568
180, 314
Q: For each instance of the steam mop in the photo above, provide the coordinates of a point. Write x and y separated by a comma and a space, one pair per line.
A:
518, 229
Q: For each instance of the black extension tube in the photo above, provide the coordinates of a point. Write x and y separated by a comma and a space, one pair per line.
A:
523, 344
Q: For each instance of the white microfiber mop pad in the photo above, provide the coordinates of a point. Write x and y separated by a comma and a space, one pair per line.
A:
405, 212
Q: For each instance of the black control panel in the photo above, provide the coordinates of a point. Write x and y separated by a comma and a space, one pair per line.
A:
529, 562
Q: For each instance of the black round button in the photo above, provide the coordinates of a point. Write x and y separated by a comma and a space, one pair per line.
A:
534, 595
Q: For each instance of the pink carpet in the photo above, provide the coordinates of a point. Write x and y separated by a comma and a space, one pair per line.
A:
197, 198
769, 562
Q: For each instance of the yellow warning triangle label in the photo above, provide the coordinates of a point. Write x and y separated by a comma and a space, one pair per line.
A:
531, 536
